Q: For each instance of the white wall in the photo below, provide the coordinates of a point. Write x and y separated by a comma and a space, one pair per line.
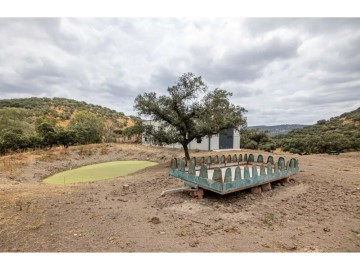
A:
204, 145
214, 142
236, 139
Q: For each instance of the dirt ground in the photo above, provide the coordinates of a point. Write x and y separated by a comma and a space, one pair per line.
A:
318, 211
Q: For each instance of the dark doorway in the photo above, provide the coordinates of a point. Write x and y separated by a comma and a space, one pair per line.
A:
226, 139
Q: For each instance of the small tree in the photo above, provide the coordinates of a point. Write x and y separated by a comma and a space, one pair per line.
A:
135, 130
87, 127
13, 139
256, 139
46, 131
183, 115
66, 137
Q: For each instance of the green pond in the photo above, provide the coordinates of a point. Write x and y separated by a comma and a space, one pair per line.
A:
99, 171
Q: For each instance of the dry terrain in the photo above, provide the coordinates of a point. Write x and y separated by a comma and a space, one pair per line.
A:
317, 211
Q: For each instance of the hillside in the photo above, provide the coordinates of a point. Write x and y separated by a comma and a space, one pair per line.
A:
45, 122
278, 129
61, 109
339, 134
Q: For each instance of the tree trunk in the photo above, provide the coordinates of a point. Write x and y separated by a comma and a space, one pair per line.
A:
186, 151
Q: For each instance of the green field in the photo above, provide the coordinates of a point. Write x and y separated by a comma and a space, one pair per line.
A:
98, 172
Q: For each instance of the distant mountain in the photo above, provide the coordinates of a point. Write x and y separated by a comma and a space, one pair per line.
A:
278, 129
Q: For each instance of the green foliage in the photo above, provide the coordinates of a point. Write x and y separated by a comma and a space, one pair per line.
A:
16, 129
354, 115
183, 115
66, 137
33, 123
13, 139
58, 108
256, 139
110, 129
16, 118
326, 136
87, 127
137, 129
46, 130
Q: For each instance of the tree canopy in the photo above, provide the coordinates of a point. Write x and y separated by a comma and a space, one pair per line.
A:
87, 126
189, 111
256, 139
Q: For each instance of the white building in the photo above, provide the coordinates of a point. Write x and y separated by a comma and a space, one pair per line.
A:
227, 139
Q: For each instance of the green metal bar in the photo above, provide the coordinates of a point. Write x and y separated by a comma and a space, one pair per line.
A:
225, 184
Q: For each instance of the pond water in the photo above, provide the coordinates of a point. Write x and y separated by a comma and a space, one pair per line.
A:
99, 171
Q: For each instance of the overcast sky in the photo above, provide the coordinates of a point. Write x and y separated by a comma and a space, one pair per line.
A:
283, 71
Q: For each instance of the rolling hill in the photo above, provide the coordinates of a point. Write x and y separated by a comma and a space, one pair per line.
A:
44, 122
61, 109
278, 129
340, 133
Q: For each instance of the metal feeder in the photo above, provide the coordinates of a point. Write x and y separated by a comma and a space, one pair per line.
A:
229, 174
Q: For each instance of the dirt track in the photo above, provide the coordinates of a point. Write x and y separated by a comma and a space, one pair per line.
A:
316, 212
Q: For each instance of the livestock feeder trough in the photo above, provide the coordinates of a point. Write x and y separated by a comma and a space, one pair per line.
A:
229, 174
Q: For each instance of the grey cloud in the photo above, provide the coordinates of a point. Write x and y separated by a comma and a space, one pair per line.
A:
343, 56
270, 50
160, 80
326, 96
16, 89
264, 62
241, 91
122, 91
245, 65
331, 79
45, 69
259, 26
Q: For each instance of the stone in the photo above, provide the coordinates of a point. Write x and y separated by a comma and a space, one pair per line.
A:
194, 243
256, 190
155, 220
285, 181
125, 187
199, 193
266, 187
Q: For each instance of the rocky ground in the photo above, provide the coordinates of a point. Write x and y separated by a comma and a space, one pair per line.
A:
317, 211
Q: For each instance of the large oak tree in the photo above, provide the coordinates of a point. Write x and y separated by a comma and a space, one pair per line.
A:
189, 111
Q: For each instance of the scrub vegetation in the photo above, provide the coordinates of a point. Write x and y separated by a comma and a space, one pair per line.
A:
336, 135
33, 123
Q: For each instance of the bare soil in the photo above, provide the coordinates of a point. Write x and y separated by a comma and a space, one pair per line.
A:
317, 211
